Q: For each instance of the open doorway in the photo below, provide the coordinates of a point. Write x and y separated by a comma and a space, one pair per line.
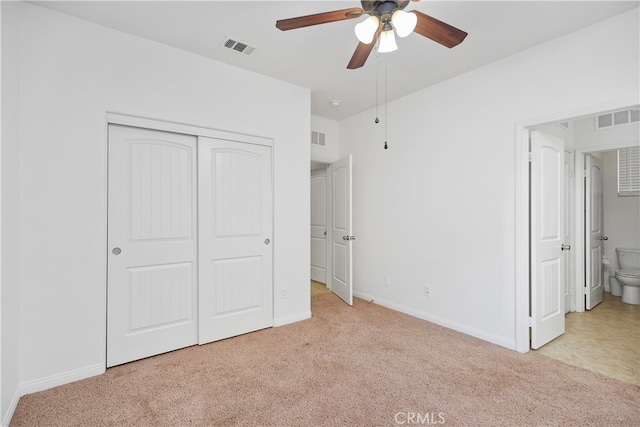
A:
590, 145
605, 139
598, 338
332, 236
319, 225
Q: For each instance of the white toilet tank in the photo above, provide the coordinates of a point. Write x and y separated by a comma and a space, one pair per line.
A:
628, 258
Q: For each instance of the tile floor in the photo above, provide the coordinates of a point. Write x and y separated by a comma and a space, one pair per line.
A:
318, 288
605, 340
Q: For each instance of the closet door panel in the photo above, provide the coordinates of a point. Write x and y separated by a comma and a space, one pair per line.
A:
152, 280
235, 248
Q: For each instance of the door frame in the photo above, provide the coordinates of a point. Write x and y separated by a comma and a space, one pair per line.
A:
522, 211
571, 215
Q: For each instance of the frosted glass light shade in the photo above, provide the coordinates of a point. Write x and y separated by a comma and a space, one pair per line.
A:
367, 29
404, 22
387, 42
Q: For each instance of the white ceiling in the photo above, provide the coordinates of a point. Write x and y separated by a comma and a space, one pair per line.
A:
316, 57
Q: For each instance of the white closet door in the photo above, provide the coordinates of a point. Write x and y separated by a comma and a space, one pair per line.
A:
235, 247
152, 282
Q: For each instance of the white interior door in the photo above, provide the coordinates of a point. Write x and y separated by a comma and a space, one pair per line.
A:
152, 276
236, 231
319, 225
547, 234
341, 230
568, 230
593, 224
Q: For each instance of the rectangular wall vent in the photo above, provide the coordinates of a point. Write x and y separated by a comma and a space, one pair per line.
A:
317, 138
617, 118
234, 45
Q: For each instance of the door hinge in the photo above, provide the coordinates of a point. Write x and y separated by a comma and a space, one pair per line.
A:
586, 290
571, 172
530, 322
530, 157
584, 173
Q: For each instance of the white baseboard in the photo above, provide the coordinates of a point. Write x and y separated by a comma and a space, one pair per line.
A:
61, 379
281, 321
494, 339
11, 409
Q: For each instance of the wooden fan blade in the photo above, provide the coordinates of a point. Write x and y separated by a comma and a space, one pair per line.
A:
438, 31
318, 18
363, 51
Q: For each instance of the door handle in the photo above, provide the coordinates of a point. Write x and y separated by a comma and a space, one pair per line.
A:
348, 237
604, 238
565, 247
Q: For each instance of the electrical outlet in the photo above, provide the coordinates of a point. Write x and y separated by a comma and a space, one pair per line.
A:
386, 281
427, 291
283, 293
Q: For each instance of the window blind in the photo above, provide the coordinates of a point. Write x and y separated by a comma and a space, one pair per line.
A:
629, 171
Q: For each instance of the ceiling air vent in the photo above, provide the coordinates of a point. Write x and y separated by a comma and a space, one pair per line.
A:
317, 138
237, 46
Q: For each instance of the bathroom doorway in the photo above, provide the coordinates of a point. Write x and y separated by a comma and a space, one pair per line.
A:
583, 137
589, 140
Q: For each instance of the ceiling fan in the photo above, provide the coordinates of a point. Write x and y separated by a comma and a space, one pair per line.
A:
384, 18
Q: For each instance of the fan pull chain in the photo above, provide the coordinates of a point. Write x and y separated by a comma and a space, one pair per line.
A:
385, 104
377, 68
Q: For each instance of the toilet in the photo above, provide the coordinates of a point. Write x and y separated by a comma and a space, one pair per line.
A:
628, 275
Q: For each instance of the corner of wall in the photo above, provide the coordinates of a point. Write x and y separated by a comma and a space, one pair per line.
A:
10, 36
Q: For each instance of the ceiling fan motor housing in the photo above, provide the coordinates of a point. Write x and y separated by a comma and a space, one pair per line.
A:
383, 9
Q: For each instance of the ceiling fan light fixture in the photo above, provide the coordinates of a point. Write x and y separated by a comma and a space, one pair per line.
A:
387, 42
404, 22
366, 29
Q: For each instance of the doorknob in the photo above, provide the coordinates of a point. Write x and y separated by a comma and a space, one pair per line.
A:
604, 238
267, 241
116, 251
565, 247
348, 237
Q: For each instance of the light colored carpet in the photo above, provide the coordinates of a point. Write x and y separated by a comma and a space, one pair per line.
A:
346, 366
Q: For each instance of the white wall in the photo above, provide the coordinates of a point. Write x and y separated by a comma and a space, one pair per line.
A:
329, 153
72, 73
10, 225
438, 207
589, 139
621, 214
